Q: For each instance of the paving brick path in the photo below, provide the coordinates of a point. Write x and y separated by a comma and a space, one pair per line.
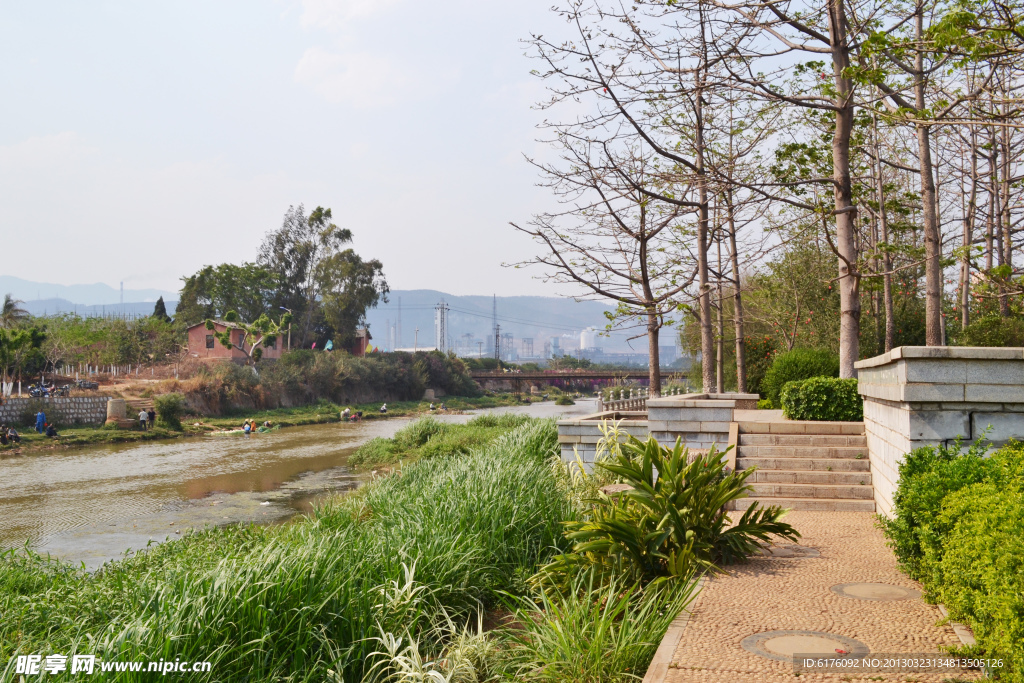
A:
795, 594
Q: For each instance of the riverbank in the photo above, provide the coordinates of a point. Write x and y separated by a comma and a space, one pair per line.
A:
195, 425
414, 561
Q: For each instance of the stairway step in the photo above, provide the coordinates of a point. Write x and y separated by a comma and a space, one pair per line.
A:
764, 476
845, 492
802, 427
819, 504
816, 464
825, 440
832, 452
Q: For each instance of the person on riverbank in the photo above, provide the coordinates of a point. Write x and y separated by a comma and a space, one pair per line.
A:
51, 431
384, 408
151, 417
13, 436
3, 435
143, 418
247, 428
40, 422
346, 415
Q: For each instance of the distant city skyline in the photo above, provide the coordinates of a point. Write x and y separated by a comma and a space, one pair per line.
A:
149, 140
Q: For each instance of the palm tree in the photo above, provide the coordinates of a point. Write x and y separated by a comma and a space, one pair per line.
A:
12, 313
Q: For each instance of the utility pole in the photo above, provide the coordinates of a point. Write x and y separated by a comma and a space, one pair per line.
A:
480, 349
416, 341
398, 325
441, 326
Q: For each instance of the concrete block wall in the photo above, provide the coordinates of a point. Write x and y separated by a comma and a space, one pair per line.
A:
82, 410
699, 420
919, 396
580, 436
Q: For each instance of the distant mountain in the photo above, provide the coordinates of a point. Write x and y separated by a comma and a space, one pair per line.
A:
98, 294
539, 319
131, 309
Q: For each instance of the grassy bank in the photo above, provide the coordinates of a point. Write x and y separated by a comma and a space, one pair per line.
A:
389, 584
194, 425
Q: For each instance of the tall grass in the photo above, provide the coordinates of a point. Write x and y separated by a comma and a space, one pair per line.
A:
437, 543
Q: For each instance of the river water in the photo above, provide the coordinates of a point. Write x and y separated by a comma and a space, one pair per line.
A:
92, 504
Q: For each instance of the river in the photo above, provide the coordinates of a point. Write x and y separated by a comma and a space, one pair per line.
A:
92, 504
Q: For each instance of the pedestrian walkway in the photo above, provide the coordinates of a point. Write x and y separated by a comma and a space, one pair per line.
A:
838, 589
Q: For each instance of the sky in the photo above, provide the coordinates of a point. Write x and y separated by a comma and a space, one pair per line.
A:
140, 141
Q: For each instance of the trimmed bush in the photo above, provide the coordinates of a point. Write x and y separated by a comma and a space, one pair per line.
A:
796, 365
169, 409
993, 330
822, 398
959, 529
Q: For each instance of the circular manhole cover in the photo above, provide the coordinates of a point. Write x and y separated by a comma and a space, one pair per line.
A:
782, 645
881, 592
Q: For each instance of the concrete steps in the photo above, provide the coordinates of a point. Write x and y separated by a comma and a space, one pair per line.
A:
806, 465
820, 504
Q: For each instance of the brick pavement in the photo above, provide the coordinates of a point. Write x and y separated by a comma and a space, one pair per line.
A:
790, 593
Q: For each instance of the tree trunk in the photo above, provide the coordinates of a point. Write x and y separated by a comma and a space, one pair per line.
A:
707, 338
932, 243
654, 354
969, 213
720, 346
737, 301
845, 210
883, 225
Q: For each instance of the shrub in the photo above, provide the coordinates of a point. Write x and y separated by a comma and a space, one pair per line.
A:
822, 398
564, 401
169, 408
764, 404
927, 476
993, 330
959, 529
670, 523
796, 365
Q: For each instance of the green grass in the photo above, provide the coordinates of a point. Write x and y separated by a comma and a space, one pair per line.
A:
388, 584
431, 438
442, 540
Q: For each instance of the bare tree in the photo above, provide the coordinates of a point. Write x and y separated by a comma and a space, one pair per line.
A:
611, 239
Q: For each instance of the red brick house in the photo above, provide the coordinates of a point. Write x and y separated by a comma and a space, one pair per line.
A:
361, 343
202, 344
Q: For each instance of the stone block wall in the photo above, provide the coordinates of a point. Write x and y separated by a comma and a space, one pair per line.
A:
80, 410
580, 436
699, 420
919, 396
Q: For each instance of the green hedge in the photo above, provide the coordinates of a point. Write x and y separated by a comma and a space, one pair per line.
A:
822, 398
959, 529
796, 365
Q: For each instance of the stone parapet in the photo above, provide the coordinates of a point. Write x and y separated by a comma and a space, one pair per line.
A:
75, 410
919, 396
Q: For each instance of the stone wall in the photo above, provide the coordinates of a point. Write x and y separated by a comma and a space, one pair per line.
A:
699, 420
580, 435
920, 396
82, 410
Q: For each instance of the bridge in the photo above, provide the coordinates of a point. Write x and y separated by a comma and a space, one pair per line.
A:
566, 378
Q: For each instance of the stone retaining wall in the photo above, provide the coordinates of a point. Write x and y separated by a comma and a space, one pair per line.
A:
920, 396
699, 420
82, 410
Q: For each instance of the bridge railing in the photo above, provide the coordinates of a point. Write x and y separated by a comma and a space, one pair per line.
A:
634, 399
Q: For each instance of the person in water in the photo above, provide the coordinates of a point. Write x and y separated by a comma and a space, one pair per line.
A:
247, 428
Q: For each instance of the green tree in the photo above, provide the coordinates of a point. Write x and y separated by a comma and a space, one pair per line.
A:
12, 314
253, 336
248, 289
160, 311
18, 348
326, 285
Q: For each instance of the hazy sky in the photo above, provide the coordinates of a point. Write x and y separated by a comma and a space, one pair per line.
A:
142, 140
